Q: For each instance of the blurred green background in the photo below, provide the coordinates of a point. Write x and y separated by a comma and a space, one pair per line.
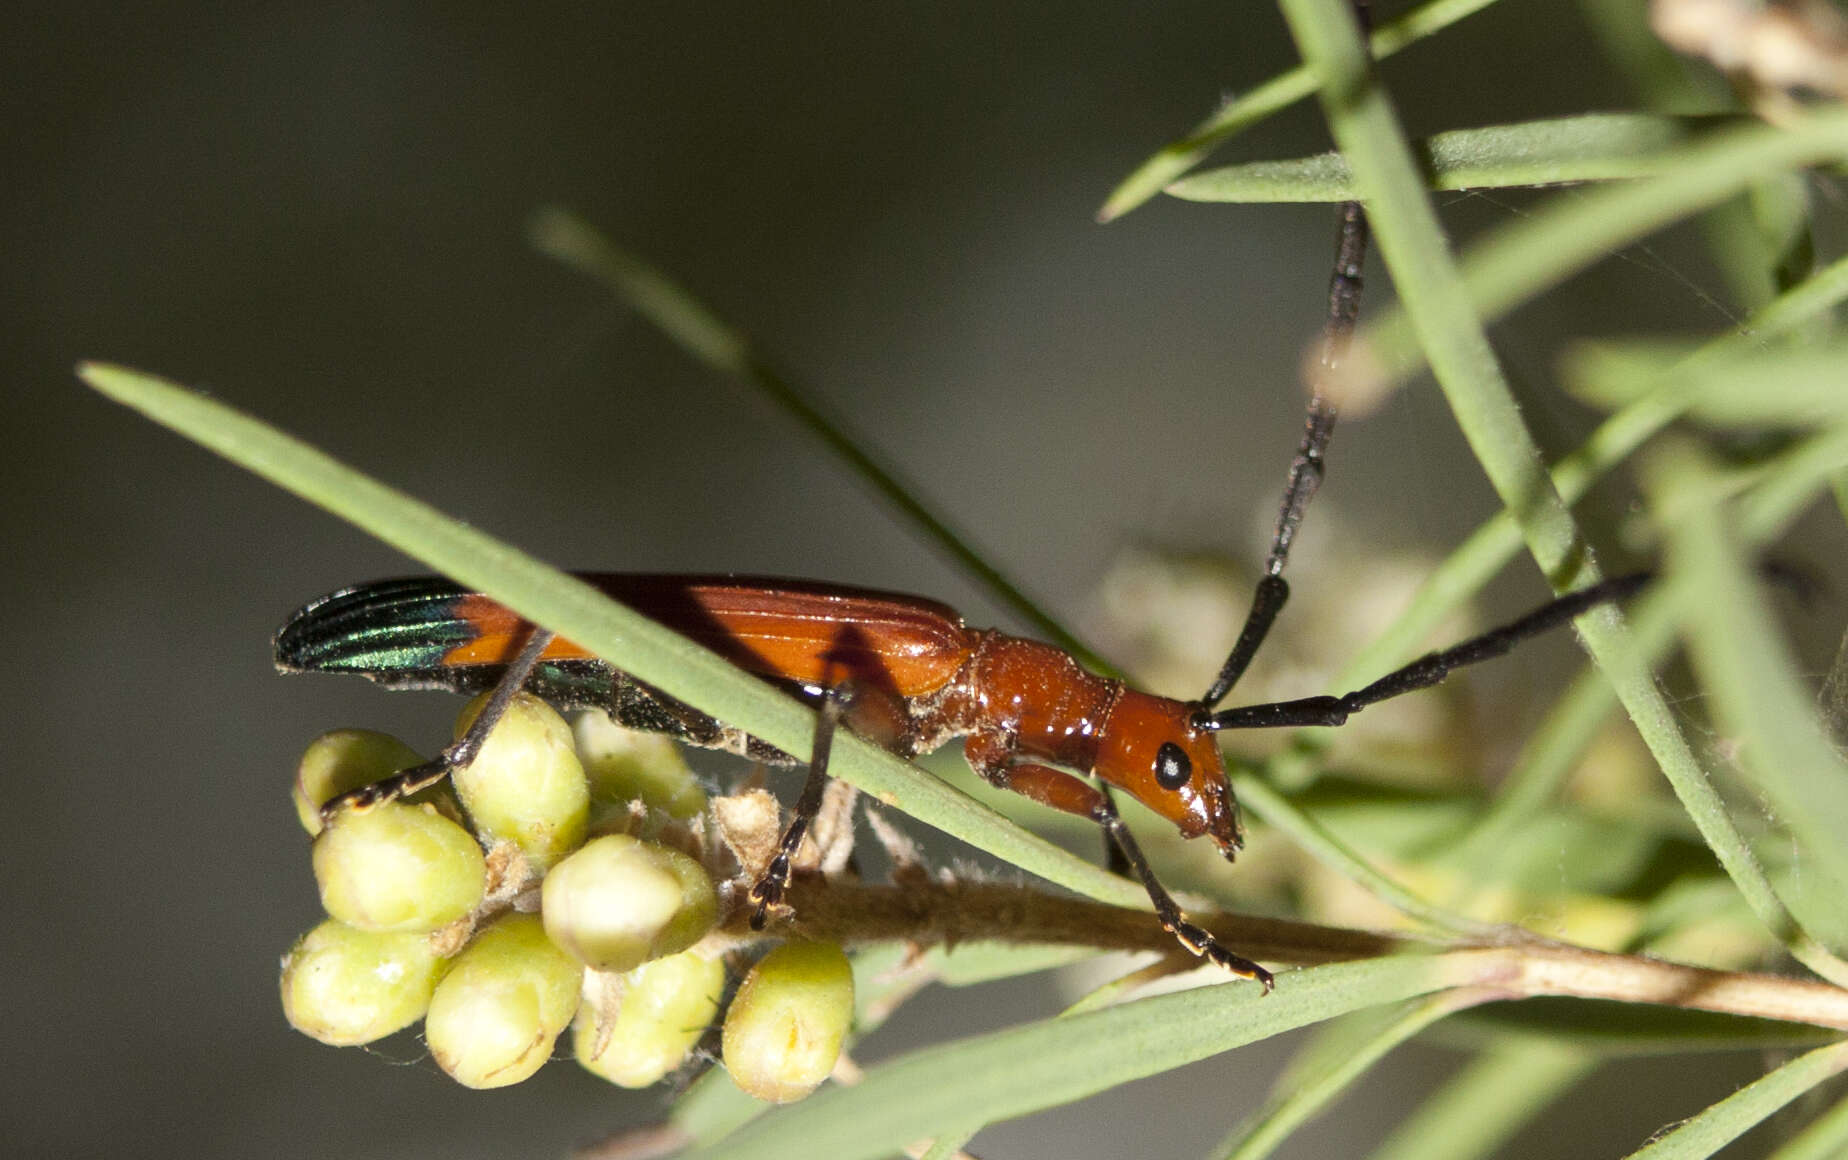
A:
317, 212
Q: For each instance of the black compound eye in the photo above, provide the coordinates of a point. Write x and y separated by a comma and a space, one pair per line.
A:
1172, 769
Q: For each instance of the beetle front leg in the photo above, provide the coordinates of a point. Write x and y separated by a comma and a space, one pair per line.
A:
991, 756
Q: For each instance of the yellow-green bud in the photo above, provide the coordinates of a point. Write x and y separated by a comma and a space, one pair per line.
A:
626, 765
660, 1010
397, 867
496, 1014
347, 986
343, 760
783, 1031
526, 784
619, 901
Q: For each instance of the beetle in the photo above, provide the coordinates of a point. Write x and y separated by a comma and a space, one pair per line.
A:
903, 671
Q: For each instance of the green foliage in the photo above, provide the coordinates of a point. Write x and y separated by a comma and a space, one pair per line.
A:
1735, 435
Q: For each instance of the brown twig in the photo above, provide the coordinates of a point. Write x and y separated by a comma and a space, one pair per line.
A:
932, 914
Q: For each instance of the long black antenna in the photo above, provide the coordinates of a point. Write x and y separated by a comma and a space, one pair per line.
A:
1429, 669
1307, 468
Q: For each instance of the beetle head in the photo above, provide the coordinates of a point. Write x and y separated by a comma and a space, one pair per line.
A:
1151, 749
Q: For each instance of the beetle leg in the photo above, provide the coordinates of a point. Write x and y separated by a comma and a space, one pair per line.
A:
460, 752
991, 756
770, 885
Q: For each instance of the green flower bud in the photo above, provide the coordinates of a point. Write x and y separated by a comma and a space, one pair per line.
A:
346, 986
784, 1029
626, 765
649, 1020
526, 784
618, 902
496, 1014
397, 867
343, 760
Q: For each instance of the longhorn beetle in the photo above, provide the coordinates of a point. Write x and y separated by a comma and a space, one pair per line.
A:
903, 671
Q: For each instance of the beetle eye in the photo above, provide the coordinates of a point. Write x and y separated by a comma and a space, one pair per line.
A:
1172, 769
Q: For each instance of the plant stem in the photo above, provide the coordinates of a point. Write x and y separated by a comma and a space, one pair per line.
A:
928, 914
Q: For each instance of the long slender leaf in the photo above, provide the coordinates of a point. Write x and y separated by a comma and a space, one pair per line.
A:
1780, 488
1484, 1105
1434, 297
1625, 1030
1717, 1126
1779, 387
692, 324
1486, 550
946, 1147
654, 654
1757, 696
1560, 150
1533, 254
1329, 848
958, 1086
1277, 93
1825, 1139
1328, 1069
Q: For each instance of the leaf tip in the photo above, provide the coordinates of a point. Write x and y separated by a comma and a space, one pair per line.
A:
111, 379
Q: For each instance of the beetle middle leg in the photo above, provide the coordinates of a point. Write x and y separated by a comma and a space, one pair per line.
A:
770, 885
990, 756
869, 711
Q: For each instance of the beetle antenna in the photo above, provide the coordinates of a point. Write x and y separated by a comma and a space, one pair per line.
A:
1307, 468
1429, 669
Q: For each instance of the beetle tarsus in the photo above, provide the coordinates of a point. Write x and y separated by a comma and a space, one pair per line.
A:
1200, 941
402, 784
767, 891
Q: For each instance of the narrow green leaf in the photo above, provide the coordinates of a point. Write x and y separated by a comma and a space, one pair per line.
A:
1781, 489
659, 656
946, 1147
1765, 709
959, 1086
658, 298
700, 332
1782, 386
1431, 290
1552, 751
1329, 849
1440, 310
1537, 252
1561, 150
713, 1108
1481, 1107
1467, 569
1825, 1139
1611, 1030
971, 964
1724, 1122
1343, 1051
1280, 92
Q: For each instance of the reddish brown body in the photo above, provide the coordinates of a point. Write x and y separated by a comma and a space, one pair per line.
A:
915, 677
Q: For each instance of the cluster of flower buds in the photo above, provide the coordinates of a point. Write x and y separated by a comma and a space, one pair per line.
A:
564, 879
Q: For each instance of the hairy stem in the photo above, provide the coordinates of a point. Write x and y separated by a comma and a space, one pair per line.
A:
933, 914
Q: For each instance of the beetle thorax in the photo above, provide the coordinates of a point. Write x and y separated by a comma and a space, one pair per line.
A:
1048, 705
